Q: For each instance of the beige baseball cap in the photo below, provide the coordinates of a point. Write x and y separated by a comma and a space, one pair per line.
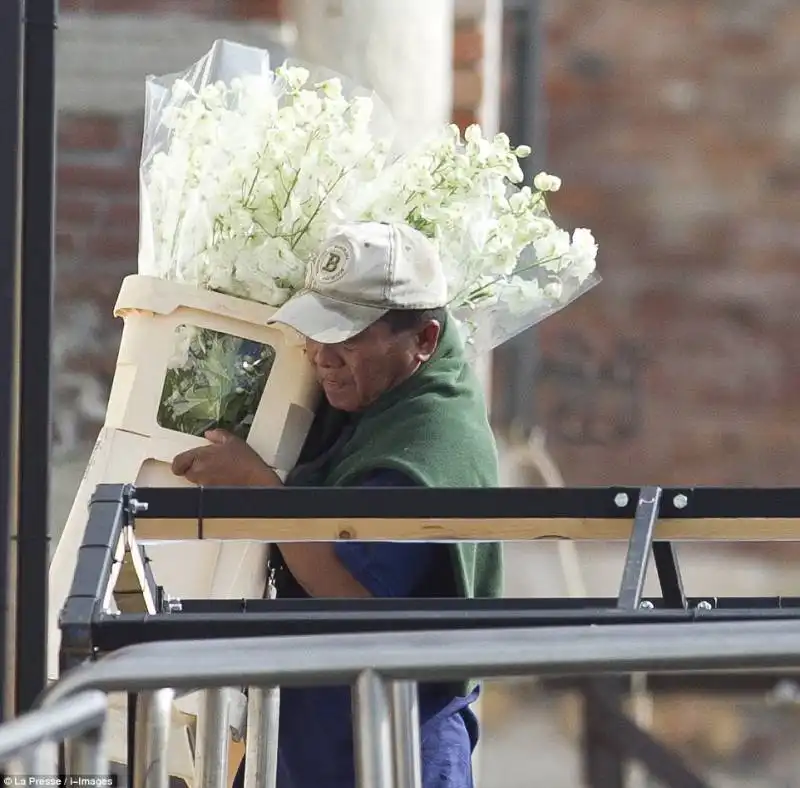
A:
364, 270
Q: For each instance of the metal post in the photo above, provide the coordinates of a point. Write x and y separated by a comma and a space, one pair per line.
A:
604, 765
153, 718
10, 152
372, 732
42, 760
669, 575
35, 343
89, 753
211, 760
639, 546
261, 741
406, 734
526, 122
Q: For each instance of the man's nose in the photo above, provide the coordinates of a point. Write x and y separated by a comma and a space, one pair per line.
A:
323, 355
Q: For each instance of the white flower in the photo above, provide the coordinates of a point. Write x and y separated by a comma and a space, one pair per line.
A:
183, 339
249, 175
582, 256
551, 248
522, 295
544, 182
553, 290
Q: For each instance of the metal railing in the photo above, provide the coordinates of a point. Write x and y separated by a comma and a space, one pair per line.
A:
383, 669
29, 744
646, 518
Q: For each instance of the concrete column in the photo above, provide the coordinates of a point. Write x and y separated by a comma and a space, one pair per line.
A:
402, 50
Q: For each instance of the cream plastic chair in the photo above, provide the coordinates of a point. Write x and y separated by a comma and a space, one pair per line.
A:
133, 448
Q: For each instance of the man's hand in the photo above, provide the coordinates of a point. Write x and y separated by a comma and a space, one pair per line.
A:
227, 462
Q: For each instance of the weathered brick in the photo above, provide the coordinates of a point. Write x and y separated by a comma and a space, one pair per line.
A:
114, 243
258, 9
467, 89
123, 213
464, 118
89, 133
107, 179
467, 45
78, 211
194, 7
69, 243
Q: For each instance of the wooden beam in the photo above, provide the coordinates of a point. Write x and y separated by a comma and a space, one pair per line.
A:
485, 529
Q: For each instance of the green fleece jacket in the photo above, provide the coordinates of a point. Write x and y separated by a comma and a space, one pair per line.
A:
434, 428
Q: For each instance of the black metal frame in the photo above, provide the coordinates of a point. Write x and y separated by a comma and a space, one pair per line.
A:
27, 197
696, 503
610, 737
38, 233
10, 181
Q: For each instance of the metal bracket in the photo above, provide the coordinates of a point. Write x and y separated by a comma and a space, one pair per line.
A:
610, 736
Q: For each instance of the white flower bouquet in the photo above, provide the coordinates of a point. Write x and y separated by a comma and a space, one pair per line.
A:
244, 169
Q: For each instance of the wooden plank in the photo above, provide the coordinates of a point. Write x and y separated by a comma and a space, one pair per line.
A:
495, 529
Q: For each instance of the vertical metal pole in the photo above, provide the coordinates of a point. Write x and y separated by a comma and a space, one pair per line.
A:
11, 44
43, 760
153, 718
530, 115
669, 575
131, 704
372, 732
605, 766
211, 760
261, 741
35, 342
406, 734
89, 753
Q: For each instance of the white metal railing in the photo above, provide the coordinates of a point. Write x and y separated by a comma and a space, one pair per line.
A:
29, 744
383, 670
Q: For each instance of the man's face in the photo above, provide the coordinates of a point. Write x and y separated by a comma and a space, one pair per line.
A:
355, 373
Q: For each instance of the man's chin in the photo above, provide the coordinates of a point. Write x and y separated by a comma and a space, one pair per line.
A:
340, 398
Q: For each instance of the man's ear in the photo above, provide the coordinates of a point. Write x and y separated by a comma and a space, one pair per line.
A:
427, 340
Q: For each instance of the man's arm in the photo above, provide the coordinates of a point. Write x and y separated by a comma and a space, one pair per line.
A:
320, 573
323, 569
357, 570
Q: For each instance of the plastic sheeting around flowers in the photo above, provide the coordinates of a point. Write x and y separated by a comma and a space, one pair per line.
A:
245, 168
534, 294
508, 264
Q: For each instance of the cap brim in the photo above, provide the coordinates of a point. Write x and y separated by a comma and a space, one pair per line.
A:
326, 320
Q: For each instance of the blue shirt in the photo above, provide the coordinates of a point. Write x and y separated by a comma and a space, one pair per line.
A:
316, 729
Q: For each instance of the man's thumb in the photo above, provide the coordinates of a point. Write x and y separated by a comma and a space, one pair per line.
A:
218, 436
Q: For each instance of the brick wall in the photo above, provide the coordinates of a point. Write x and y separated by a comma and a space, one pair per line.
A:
96, 243
212, 9
468, 49
676, 129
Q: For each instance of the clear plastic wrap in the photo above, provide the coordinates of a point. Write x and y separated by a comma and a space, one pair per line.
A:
245, 167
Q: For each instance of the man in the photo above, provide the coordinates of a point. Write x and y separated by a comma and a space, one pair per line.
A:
401, 408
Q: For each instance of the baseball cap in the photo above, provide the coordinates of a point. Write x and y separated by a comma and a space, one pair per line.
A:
364, 270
